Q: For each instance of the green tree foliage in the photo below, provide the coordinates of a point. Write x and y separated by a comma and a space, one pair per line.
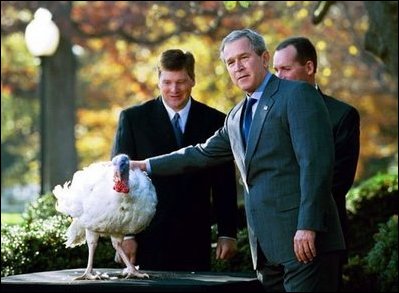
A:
372, 202
19, 114
383, 257
230, 5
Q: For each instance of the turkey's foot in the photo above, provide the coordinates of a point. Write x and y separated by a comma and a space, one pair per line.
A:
128, 273
90, 276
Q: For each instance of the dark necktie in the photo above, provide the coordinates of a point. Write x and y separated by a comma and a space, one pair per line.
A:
177, 130
248, 118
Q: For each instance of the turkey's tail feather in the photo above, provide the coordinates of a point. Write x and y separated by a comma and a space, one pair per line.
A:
76, 234
66, 201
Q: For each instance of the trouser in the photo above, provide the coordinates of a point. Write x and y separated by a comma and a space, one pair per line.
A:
319, 275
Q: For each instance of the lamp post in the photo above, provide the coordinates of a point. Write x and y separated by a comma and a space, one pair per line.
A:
57, 93
42, 37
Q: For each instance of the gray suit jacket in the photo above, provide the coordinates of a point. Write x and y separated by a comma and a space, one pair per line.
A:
286, 168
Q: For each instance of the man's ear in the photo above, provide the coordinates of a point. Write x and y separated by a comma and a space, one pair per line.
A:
266, 58
310, 68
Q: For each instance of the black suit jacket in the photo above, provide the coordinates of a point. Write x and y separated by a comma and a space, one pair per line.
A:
179, 236
345, 121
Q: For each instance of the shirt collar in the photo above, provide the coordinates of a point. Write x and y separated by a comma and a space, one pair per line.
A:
183, 112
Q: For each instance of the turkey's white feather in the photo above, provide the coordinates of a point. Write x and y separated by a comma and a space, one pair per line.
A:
94, 205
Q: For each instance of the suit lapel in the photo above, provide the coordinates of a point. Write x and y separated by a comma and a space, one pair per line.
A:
265, 104
161, 126
236, 135
193, 131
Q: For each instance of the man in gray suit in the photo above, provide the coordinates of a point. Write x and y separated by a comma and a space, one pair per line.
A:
295, 58
285, 157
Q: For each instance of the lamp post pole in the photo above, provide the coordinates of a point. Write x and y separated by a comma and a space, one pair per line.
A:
57, 97
43, 121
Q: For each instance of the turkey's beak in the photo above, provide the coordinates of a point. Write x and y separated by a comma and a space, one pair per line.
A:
117, 176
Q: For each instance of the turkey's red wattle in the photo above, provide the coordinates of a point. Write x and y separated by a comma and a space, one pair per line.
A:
120, 186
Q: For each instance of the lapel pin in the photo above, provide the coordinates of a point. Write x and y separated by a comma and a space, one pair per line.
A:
265, 108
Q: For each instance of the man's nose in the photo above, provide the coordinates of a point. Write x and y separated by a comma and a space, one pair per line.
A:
174, 87
238, 66
280, 75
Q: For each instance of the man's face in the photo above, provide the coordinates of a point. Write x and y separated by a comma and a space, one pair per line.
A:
175, 88
246, 68
287, 67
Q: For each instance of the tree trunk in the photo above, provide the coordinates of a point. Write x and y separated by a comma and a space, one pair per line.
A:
382, 35
58, 150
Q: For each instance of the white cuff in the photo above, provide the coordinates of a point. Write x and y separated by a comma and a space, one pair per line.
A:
226, 237
148, 166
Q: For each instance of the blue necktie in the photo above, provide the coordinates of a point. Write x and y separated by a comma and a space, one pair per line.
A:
248, 118
177, 130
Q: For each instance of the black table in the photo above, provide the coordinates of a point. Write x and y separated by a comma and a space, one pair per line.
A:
62, 281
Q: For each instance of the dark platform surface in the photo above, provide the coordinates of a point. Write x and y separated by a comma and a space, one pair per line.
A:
62, 281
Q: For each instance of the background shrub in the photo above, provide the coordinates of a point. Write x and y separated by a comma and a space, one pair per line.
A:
382, 259
373, 202
38, 244
370, 204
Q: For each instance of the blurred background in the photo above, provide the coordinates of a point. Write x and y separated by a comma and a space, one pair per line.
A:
106, 61
59, 111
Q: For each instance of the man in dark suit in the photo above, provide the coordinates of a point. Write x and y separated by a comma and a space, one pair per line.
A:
285, 157
296, 59
179, 236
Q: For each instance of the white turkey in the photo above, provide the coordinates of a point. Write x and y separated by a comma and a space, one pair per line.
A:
106, 199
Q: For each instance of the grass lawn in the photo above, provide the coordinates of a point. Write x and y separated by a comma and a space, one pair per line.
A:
11, 218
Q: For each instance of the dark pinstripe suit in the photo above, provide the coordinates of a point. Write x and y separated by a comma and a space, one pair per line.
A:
179, 236
345, 121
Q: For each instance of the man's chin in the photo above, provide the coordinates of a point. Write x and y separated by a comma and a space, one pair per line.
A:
244, 85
